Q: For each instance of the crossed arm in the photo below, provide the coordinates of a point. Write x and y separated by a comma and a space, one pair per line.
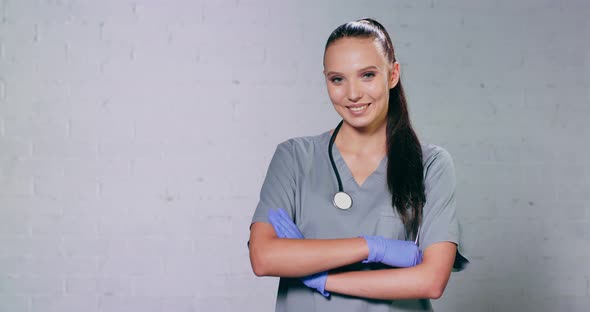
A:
273, 256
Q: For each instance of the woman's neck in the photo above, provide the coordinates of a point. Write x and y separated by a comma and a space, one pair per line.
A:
362, 141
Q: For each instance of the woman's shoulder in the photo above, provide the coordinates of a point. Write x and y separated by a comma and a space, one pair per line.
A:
306, 145
435, 155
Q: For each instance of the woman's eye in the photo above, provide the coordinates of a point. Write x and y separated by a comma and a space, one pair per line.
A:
369, 75
336, 79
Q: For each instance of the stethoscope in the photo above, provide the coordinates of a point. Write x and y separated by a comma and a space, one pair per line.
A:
343, 200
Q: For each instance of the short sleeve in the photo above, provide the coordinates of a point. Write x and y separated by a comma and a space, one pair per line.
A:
278, 189
440, 222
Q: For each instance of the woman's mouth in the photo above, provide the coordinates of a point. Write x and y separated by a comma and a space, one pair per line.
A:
356, 109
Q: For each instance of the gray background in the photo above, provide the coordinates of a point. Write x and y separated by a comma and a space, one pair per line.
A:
134, 137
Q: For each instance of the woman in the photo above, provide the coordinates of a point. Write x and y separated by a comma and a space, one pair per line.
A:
359, 252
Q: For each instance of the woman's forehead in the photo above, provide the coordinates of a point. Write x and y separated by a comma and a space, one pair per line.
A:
348, 53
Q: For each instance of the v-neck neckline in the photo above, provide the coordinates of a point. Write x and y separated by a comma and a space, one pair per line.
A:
345, 172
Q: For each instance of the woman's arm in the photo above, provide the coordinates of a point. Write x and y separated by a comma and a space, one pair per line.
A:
426, 280
273, 256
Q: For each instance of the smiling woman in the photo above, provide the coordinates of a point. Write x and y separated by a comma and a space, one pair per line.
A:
394, 246
358, 78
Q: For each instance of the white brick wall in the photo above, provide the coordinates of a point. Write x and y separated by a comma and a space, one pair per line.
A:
134, 137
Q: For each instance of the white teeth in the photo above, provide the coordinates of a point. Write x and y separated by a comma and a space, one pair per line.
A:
358, 109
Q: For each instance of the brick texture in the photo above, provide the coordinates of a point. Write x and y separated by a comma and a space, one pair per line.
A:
135, 135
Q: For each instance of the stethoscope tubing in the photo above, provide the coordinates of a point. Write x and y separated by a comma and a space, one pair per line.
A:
330, 146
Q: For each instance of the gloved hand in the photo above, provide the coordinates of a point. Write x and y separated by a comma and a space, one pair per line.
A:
392, 252
283, 225
285, 228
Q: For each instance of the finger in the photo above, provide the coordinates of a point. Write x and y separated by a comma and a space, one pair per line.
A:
272, 216
281, 231
281, 212
287, 229
281, 227
272, 213
273, 221
283, 216
276, 224
290, 228
293, 233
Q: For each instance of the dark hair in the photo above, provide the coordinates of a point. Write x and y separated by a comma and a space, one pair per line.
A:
405, 178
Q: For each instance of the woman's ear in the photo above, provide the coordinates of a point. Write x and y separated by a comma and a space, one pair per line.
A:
394, 75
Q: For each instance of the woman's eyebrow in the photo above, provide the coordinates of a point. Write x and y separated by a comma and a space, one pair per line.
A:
373, 67
332, 73
368, 67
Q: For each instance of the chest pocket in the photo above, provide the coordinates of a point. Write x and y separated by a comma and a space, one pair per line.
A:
390, 225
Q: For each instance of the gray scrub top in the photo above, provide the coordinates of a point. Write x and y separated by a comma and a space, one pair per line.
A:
300, 180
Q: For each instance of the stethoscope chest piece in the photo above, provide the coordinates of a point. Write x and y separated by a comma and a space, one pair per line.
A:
342, 200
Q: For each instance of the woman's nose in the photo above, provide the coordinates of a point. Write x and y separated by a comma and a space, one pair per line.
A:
354, 92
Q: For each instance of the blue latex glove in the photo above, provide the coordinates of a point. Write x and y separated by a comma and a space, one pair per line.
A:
392, 252
285, 228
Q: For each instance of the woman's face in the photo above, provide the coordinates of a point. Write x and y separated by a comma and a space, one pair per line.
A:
359, 77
